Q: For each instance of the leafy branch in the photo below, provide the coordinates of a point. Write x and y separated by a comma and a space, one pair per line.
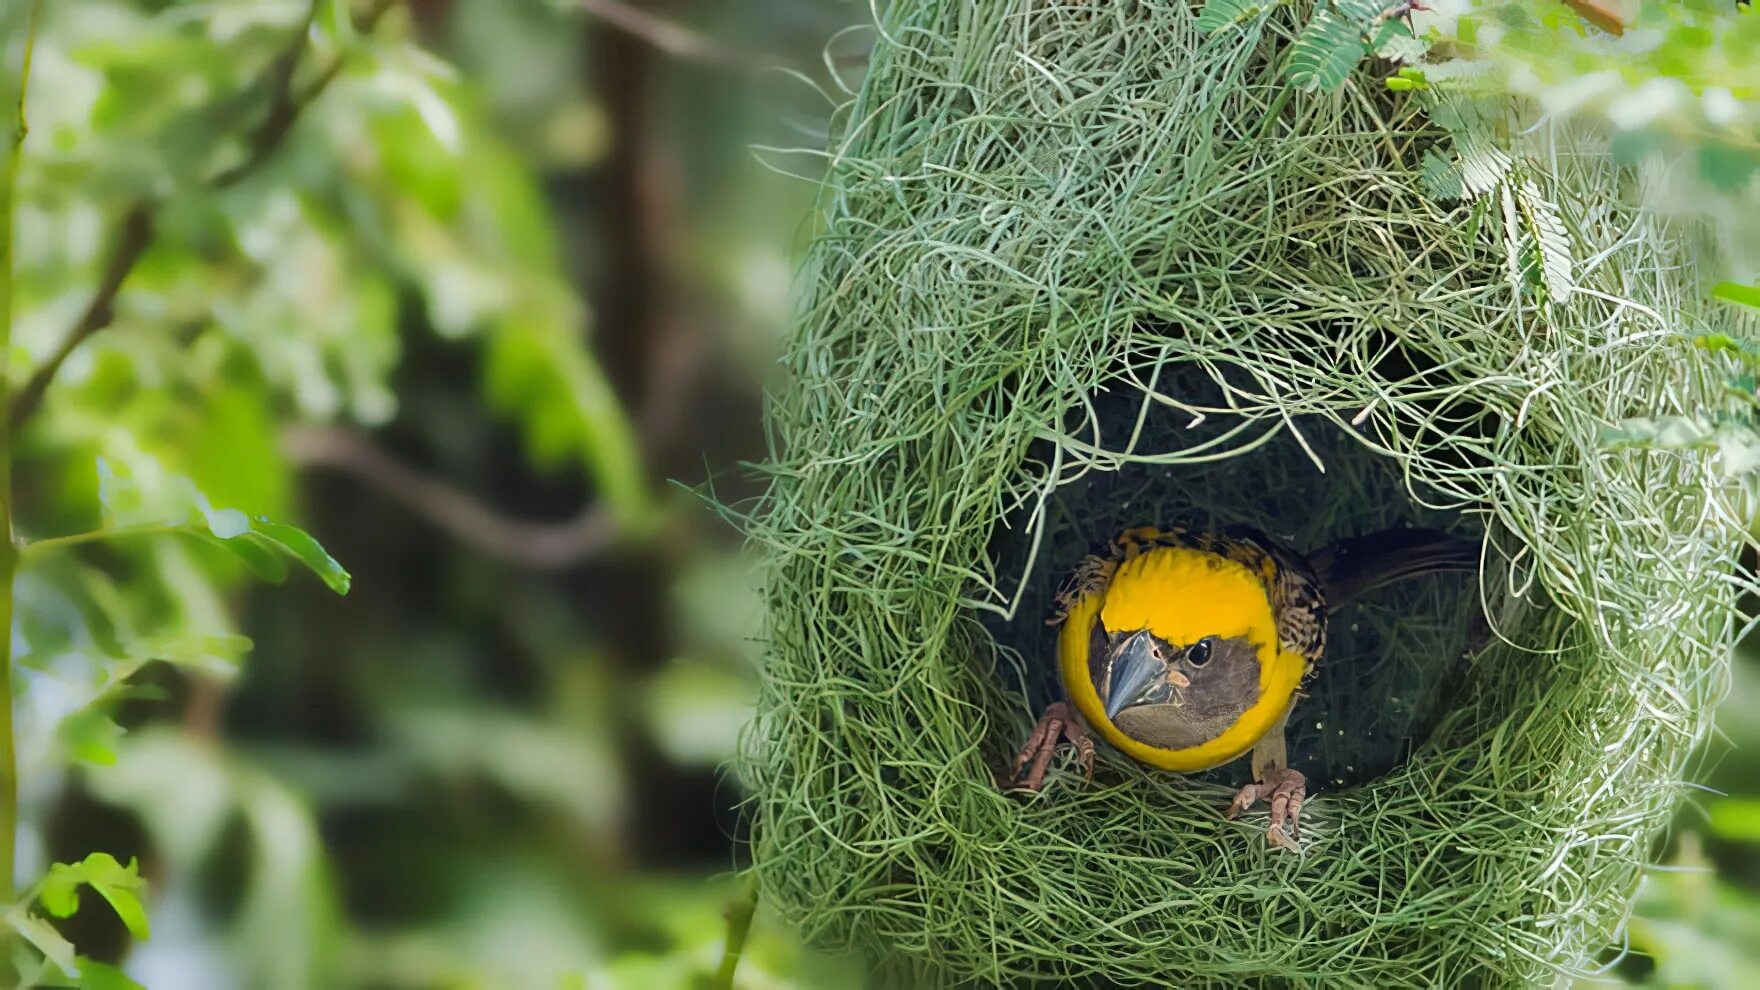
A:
1339, 35
262, 545
59, 893
136, 231
1730, 436
1682, 85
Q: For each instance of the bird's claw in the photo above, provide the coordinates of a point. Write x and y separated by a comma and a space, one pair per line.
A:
1285, 790
1059, 722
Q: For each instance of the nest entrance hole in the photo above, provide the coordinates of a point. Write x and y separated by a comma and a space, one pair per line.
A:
1382, 684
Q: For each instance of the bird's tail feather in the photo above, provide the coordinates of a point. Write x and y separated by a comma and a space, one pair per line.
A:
1351, 568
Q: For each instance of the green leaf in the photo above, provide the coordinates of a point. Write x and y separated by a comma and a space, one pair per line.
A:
1548, 241
1736, 445
1726, 167
1735, 292
94, 975
262, 545
118, 884
1325, 53
1722, 343
336, 20
1396, 43
273, 541
1219, 15
1440, 178
1482, 166
48, 941
539, 371
1736, 819
90, 735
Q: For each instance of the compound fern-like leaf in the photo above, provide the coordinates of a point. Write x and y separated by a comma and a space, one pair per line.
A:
1326, 52
1219, 15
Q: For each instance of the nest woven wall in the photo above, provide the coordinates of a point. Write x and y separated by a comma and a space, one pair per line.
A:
1056, 235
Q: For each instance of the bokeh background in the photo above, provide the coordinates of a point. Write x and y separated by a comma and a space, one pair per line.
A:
484, 294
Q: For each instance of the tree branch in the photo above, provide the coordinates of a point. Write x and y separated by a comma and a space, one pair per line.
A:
136, 231
1598, 14
739, 926
9, 550
133, 236
673, 39
542, 546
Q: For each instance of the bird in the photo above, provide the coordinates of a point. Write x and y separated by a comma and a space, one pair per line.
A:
1184, 649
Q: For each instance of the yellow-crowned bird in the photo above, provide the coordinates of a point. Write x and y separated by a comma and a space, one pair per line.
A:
1186, 649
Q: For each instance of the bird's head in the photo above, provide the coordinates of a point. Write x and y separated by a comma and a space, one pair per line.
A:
1174, 696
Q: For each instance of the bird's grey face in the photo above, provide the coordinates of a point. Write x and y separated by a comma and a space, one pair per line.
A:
1173, 697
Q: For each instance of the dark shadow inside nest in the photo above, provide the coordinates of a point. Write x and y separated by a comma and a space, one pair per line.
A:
1382, 683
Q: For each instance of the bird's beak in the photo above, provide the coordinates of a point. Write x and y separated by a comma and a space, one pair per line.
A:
1134, 669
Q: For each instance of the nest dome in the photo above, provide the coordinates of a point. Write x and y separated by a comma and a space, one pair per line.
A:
1083, 267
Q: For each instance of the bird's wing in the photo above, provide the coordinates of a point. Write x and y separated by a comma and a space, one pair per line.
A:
1349, 569
1298, 597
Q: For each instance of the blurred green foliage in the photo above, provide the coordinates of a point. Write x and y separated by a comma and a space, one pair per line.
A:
496, 762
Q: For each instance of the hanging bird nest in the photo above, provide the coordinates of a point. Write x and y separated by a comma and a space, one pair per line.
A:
1083, 267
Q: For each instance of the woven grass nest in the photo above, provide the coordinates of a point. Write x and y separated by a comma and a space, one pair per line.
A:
1082, 267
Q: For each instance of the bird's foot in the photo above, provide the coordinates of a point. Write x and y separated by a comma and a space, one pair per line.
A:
1060, 722
1285, 789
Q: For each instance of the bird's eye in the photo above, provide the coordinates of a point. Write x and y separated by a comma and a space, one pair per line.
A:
1198, 654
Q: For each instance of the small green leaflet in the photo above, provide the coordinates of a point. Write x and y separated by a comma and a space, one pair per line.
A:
1720, 343
1397, 44
263, 545
1736, 445
90, 735
59, 892
335, 20
94, 975
1538, 246
266, 546
1478, 164
1334, 41
1219, 15
1736, 819
1478, 170
1547, 240
1328, 49
1735, 292
121, 885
